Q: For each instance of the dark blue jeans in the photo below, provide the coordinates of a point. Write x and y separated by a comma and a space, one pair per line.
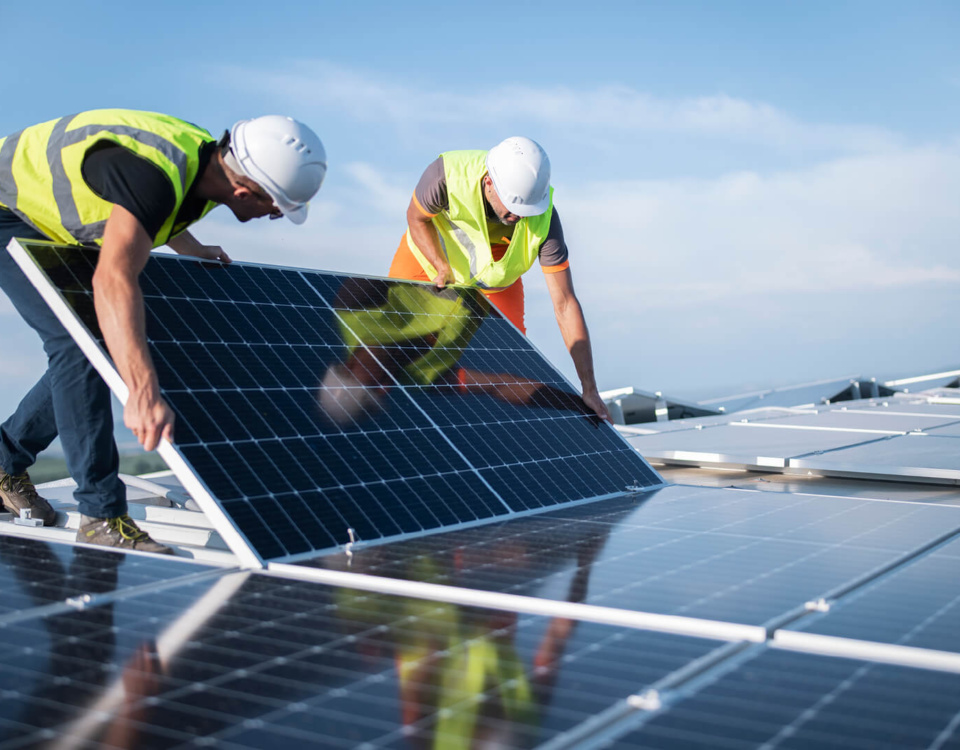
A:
70, 399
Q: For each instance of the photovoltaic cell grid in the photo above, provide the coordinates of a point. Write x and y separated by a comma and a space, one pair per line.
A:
917, 605
313, 406
249, 660
39, 574
798, 701
729, 555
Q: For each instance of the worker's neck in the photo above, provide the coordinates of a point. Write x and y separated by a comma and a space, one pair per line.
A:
214, 183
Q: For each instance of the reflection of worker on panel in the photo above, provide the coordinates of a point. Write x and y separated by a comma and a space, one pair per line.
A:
411, 334
462, 681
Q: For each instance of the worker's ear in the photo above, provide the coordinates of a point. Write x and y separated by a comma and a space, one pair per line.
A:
243, 193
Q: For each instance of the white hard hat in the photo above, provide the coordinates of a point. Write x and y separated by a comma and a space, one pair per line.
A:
284, 157
520, 171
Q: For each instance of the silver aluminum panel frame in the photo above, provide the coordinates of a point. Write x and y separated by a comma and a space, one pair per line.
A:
719, 630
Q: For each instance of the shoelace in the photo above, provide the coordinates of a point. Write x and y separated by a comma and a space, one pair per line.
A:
20, 484
127, 528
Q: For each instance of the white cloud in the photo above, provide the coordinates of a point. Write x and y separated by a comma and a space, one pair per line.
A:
337, 236
368, 98
879, 222
388, 196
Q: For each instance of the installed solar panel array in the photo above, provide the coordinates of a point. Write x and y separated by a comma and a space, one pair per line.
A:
655, 619
317, 409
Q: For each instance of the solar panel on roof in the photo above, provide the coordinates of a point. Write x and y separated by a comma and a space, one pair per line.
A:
730, 555
917, 605
317, 409
784, 700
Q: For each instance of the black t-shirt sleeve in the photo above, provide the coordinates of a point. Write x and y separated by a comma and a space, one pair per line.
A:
121, 177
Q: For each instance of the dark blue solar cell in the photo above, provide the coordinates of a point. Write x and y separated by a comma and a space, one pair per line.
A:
277, 360
262, 280
319, 326
312, 518
298, 292
400, 514
239, 315
194, 424
162, 323
444, 508
183, 280
324, 285
284, 524
220, 328
362, 512
288, 324
204, 358
220, 282
214, 474
237, 465
253, 526
164, 356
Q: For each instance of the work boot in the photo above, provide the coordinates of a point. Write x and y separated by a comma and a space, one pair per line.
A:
18, 492
119, 532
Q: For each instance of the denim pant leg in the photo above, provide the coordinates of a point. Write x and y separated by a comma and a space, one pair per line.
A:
70, 399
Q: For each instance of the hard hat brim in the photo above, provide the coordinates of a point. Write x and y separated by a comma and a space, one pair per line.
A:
297, 215
525, 210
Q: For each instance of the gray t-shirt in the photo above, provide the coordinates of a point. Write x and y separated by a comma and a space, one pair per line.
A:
431, 194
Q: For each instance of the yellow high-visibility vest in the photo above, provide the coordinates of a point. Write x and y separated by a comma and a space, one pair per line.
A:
40, 169
464, 236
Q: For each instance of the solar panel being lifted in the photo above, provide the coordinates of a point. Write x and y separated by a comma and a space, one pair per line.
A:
316, 409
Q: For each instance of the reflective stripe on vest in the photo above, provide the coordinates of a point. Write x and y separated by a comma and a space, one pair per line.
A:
463, 233
41, 179
8, 147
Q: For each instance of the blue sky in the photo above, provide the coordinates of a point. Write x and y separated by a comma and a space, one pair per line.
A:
753, 193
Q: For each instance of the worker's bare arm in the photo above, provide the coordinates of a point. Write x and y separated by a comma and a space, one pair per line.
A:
426, 239
186, 244
120, 312
573, 328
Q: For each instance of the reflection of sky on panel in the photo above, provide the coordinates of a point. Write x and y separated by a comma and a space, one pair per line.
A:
799, 701
890, 420
747, 443
918, 605
814, 393
720, 554
909, 453
40, 573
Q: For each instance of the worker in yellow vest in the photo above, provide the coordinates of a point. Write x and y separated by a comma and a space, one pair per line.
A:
483, 218
127, 181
